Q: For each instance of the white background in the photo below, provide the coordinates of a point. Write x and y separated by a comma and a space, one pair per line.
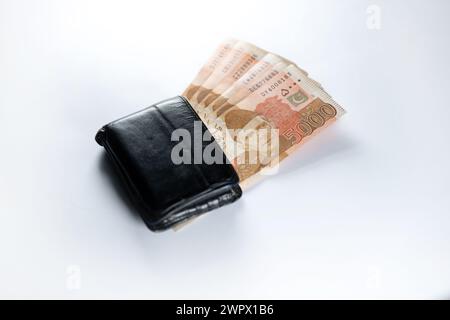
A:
362, 211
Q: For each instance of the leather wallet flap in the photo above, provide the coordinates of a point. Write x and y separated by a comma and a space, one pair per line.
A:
159, 154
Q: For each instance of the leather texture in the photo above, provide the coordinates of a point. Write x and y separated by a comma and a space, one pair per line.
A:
166, 193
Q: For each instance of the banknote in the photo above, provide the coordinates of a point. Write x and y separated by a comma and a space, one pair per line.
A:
244, 86
255, 77
290, 104
223, 57
244, 90
208, 68
258, 106
242, 56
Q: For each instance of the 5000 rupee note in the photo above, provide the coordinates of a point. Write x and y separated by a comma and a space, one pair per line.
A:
289, 103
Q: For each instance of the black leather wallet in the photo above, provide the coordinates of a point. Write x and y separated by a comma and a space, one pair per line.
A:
140, 145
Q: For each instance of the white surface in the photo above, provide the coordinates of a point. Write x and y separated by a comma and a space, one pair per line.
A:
362, 211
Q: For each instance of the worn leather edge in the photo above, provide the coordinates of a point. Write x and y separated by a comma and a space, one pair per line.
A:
212, 199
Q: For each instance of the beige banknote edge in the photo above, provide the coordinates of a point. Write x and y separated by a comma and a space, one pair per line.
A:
231, 63
289, 62
214, 59
264, 73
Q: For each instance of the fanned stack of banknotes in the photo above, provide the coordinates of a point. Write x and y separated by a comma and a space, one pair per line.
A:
259, 107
